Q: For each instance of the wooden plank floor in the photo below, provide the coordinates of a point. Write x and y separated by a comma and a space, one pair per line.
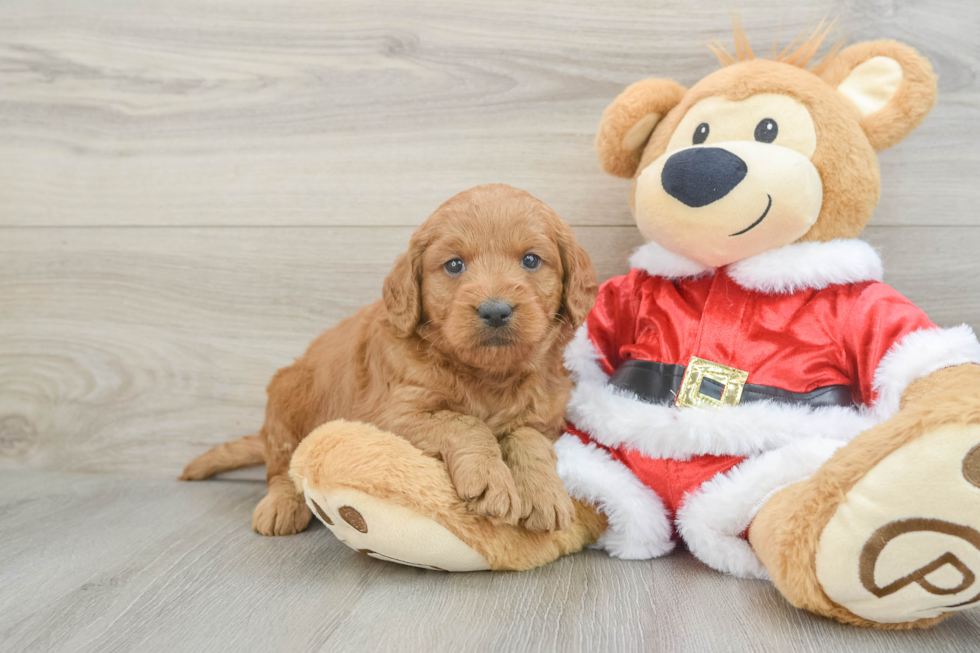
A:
132, 564
191, 190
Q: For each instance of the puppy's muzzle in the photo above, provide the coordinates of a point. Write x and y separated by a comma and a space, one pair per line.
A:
494, 313
702, 175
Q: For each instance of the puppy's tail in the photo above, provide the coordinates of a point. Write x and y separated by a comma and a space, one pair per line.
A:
247, 452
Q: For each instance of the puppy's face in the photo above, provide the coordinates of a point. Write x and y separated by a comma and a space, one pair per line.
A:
491, 286
500, 275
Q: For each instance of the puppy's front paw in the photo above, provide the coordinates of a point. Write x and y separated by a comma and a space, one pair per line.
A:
545, 504
488, 487
281, 512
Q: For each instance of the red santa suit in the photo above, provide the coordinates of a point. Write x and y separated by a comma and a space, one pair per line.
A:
802, 320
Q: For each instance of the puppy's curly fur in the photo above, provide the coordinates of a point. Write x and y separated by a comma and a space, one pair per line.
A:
488, 401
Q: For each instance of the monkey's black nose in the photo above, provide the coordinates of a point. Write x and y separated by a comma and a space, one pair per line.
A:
702, 175
494, 313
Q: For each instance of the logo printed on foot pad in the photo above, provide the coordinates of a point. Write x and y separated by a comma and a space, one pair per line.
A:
876, 544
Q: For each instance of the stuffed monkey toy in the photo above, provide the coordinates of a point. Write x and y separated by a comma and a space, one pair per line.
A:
750, 388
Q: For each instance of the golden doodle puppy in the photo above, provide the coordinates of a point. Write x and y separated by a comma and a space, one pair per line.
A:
462, 357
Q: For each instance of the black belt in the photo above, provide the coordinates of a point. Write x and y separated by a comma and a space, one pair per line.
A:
659, 383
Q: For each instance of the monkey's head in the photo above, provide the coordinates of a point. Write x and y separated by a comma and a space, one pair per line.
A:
763, 153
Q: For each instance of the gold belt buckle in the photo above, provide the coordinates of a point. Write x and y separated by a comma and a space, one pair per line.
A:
692, 393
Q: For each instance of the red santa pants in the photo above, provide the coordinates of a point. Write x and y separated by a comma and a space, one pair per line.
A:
672, 480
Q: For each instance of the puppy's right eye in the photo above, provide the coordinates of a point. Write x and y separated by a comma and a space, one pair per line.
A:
455, 267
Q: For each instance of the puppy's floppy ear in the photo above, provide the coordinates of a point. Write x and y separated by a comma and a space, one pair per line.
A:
627, 123
579, 282
891, 84
402, 292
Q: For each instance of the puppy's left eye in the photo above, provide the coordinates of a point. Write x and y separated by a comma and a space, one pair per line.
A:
531, 262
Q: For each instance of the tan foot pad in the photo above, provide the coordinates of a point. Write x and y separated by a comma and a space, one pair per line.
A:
388, 531
905, 544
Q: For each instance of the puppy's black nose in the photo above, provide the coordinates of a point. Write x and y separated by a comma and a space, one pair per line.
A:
494, 313
702, 175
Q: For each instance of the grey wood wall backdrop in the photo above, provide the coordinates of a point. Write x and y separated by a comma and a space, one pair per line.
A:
191, 190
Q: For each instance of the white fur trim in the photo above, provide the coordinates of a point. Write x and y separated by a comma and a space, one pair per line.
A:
658, 262
581, 359
638, 525
916, 356
808, 265
712, 520
616, 418
784, 270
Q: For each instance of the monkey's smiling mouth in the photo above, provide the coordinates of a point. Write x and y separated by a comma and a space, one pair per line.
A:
756, 223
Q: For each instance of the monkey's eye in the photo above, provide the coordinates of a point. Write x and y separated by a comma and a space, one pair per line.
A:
701, 133
531, 262
766, 130
455, 267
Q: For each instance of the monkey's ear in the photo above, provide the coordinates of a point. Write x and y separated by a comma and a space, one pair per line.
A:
892, 86
627, 123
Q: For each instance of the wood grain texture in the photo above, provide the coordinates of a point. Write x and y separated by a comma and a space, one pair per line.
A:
166, 566
132, 350
191, 112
